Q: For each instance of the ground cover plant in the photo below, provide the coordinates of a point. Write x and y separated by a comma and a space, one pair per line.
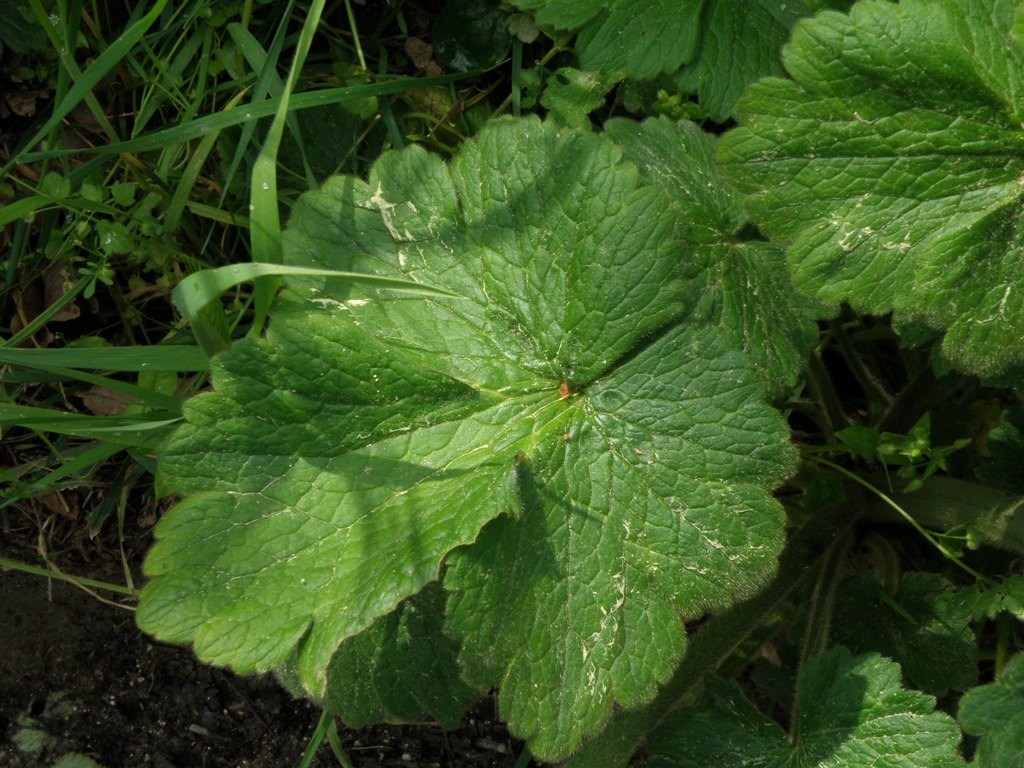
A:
654, 366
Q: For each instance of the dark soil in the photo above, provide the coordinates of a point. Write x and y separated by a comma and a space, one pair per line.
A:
77, 676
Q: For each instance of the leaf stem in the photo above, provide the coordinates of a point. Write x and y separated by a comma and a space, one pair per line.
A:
873, 388
831, 572
928, 536
832, 417
923, 393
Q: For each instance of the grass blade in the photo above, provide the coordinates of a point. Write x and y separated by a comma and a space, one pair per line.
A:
177, 358
84, 85
200, 127
264, 217
199, 289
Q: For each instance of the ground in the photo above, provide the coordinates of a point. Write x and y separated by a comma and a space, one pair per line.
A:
77, 676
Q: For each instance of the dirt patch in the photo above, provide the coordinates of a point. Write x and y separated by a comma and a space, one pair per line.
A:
77, 677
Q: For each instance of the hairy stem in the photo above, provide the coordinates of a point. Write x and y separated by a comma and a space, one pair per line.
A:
819, 619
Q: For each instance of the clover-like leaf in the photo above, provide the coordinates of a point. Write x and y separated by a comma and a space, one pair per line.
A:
745, 289
995, 712
892, 164
620, 458
852, 713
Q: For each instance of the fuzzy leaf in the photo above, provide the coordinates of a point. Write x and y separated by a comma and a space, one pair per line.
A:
852, 714
930, 620
892, 164
715, 48
741, 41
987, 602
643, 39
995, 712
340, 461
745, 289
400, 669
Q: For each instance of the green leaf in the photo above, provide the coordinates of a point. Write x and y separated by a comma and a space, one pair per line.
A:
926, 619
1006, 444
400, 669
740, 42
628, 455
852, 714
471, 34
644, 39
745, 289
715, 48
892, 164
570, 95
989, 601
995, 712
17, 30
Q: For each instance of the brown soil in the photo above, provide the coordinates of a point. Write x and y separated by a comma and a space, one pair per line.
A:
77, 676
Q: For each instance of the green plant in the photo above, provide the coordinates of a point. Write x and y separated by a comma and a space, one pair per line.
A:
710, 445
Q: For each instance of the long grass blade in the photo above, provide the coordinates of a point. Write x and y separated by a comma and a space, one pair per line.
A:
199, 289
264, 217
199, 127
178, 358
84, 85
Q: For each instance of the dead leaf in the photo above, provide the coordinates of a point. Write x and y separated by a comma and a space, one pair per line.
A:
103, 401
421, 54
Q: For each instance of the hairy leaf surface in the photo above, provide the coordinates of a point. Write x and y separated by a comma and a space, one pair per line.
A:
745, 288
620, 458
892, 163
715, 48
926, 619
995, 712
853, 713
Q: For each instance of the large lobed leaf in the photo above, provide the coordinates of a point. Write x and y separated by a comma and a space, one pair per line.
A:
744, 288
892, 164
591, 468
853, 713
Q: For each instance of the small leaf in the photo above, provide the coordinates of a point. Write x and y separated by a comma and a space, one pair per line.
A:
892, 164
571, 95
852, 714
995, 712
1008, 596
644, 39
471, 34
